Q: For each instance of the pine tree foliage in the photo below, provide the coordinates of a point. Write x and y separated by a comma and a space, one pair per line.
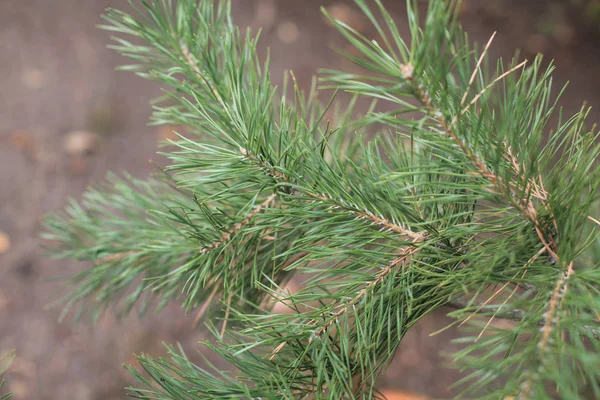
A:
5, 361
459, 193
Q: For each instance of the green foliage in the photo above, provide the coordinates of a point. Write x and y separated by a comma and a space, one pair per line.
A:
5, 361
460, 195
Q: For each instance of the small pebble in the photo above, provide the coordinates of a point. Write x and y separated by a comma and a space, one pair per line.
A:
288, 32
4, 242
80, 143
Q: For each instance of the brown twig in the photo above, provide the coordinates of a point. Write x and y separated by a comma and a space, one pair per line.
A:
550, 319
117, 256
527, 264
400, 260
513, 314
362, 214
192, 63
499, 308
226, 236
205, 305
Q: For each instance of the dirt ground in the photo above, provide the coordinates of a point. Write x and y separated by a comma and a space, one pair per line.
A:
58, 80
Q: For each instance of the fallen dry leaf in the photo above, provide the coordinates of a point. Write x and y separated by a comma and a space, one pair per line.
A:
393, 394
33, 78
23, 141
4, 301
4, 242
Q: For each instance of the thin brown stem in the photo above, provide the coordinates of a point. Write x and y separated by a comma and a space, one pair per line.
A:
117, 256
499, 308
205, 305
400, 260
227, 235
362, 214
512, 314
194, 65
550, 320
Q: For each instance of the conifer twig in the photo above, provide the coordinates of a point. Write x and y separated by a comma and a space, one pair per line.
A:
379, 277
525, 266
386, 233
415, 236
513, 314
527, 209
225, 238
192, 63
400, 260
236, 228
362, 214
550, 319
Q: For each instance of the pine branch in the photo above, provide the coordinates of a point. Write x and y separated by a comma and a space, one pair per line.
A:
549, 322
503, 312
425, 75
386, 227
228, 234
526, 208
324, 198
343, 308
5, 361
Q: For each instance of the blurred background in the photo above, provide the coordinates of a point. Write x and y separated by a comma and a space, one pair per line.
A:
67, 117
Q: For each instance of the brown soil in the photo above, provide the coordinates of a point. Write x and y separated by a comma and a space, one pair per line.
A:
57, 78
